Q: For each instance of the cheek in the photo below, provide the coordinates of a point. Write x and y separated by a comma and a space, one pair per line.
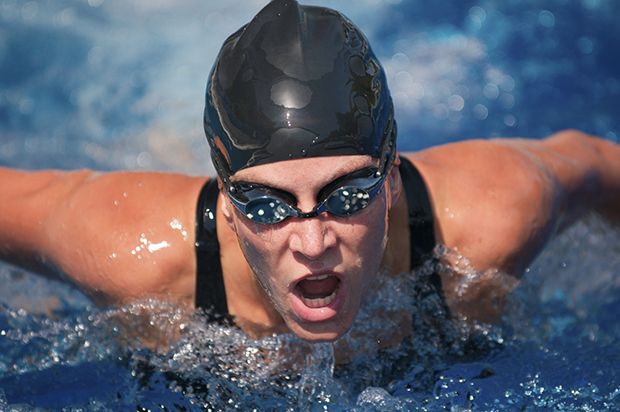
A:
372, 229
257, 249
261, 246
259, 241
371, 249
364, 242
258, 259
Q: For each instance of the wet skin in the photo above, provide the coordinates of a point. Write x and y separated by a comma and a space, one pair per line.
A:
124, 236
348, 250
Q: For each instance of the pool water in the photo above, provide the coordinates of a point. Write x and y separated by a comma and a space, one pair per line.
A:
556, 349
111, 84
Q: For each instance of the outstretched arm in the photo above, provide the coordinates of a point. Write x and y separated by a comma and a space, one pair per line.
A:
117, 236
29, 199
498, 202
585, 172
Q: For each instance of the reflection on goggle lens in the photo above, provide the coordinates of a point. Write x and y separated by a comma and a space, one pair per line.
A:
267, 209
345, 196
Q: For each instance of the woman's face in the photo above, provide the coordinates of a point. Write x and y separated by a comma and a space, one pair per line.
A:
317, 270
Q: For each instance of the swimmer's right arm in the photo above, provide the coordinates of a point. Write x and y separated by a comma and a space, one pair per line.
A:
29, 198
117, 236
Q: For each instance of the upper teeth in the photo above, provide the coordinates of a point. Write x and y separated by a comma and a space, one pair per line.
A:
321, 277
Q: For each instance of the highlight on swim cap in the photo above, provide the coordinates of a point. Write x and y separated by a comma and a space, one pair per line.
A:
297, 81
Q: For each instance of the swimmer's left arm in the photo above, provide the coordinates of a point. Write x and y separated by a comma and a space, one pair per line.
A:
498, 202
585, 171
597, 162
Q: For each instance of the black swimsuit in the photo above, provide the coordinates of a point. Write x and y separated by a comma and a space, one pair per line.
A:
210, 291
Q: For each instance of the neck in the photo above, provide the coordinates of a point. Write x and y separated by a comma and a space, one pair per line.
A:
397, 256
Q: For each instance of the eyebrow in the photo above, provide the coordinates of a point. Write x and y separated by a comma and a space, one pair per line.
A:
344, 170
336, 174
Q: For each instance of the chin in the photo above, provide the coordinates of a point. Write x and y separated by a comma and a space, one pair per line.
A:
311, 337
319, 332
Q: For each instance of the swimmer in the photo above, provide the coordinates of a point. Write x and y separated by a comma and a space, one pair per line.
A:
311, 203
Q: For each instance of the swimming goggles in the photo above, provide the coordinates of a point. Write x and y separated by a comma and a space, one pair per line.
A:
344, 196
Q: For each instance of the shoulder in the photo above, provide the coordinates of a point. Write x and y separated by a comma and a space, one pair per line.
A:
127, 235
493, 201
498, 202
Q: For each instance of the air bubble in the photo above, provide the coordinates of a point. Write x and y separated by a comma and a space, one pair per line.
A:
29, 10
480, 112
510, 120
546, 18
491, 91
585, 45
404, 79
456, 102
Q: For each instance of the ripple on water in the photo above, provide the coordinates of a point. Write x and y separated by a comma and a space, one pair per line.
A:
405, 352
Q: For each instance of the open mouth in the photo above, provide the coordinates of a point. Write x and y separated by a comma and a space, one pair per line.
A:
318, 291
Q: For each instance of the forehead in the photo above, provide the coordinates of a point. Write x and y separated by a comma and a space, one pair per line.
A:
309, 171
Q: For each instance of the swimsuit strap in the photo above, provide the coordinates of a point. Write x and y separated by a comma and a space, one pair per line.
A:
210, 291
421, 232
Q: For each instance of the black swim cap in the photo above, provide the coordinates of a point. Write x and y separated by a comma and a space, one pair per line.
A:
297, 81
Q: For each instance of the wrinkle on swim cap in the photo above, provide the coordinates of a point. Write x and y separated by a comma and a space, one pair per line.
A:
297, 81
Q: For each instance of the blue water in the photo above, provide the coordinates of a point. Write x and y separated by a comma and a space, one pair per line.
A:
111, 84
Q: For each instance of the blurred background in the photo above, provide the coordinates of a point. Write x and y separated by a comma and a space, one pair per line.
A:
119, 84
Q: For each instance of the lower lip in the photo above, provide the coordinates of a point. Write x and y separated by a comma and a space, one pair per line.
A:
318, 314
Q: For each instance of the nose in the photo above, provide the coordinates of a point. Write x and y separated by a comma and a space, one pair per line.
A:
312, 237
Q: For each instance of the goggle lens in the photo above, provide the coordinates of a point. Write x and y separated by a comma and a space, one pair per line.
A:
266, 210
348, 201
266, 205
